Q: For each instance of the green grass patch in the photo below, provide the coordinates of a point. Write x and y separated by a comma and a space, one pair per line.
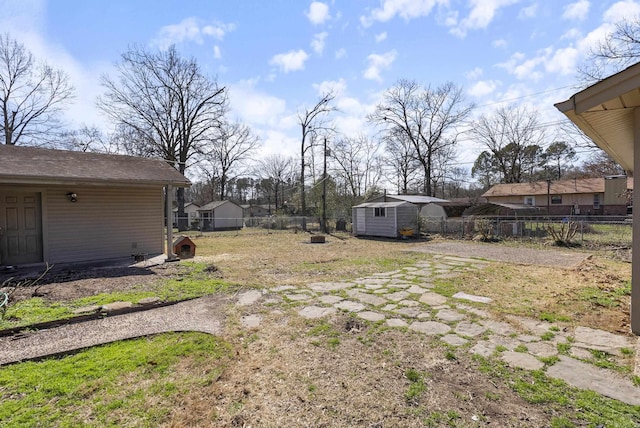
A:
128, 383
416, 385
585, 408
194, 282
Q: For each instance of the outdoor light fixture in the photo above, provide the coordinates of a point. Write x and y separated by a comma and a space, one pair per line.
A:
73, 197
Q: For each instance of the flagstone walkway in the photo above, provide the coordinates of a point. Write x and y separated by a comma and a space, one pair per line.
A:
400, 299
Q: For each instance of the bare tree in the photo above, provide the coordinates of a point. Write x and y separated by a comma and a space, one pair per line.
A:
276, 168
228, 150
511, 137
401, 157
619, 49
90, 139
31, 95
313, 122
167, 102
359, 163
427, 117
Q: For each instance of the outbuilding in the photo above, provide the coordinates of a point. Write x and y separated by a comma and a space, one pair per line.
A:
385, 219
221, 215
61, 206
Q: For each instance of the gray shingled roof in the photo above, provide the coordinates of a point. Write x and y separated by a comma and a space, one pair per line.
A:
19, 164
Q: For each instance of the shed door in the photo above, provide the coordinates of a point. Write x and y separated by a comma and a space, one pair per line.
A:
20, 228
361, 220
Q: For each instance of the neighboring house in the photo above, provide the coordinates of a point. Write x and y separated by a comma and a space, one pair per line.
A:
384, 219
586, 196
60, 206
220, 215
190, 212
257, 210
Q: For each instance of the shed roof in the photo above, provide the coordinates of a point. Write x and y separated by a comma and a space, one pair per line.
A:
382, 204
34, 165
564, 187
414, 199
215, 204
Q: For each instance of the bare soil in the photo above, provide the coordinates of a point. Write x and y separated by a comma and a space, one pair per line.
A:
284, 374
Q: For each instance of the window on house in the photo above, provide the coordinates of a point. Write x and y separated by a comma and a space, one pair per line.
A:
557, 200
596, 201
530, 200
379, 212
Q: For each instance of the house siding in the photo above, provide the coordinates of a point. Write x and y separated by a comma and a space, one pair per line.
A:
225, 216
105, 223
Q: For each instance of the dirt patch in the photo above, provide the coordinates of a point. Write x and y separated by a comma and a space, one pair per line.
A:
74, 283
284, 374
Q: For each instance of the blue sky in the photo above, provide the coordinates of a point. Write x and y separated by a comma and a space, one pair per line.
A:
277, 56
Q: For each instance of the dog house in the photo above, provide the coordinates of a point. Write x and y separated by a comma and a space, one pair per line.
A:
184, 247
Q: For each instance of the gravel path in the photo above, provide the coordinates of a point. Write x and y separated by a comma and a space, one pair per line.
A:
527, 256
195, 315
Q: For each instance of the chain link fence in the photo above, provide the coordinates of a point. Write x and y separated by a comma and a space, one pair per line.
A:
605, 230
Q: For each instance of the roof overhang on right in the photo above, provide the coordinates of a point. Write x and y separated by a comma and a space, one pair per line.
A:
605, 113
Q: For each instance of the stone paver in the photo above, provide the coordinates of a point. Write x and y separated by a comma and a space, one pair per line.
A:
348, 305
299, 297
397, 296
483, 348
470, 297
366, 298
541, 349
396, 322
521, 360
587, 376
430, 327
251, 321
469, 329
432, 299
327, 287
586, 337
498, 327
249, 297
453, 340
312, 312
449, 315
330, 299
371, 316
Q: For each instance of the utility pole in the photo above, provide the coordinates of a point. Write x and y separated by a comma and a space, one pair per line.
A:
324, 190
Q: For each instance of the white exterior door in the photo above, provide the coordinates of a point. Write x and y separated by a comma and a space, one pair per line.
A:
361, 220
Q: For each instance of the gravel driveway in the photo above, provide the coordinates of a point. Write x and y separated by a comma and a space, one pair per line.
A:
527, 256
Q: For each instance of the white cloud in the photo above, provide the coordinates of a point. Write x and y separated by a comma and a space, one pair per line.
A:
190, 30
499, 43
254, 107
528, 12
481, 14
290, 61
563, 61
483, 88
571, 34
341, 53
475, 74
318, 13
318, 42
377, 63
380, 37
338, 87
216, 52
577, 11
406, 9
622, 10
